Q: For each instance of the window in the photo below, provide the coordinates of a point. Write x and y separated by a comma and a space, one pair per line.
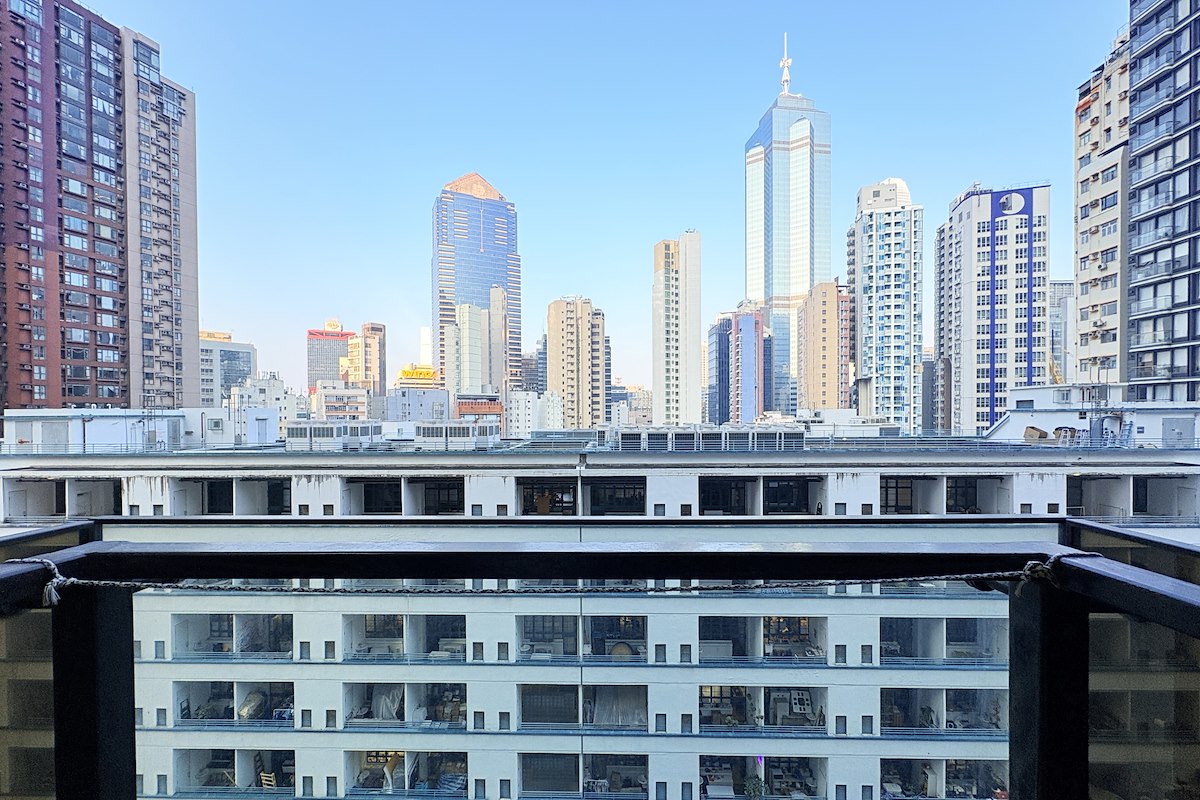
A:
868, 725
1108, 201
839, 654
660, 654
839, 725
868, 656
505, 720
660, 723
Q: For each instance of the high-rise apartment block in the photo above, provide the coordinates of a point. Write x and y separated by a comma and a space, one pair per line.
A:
1164, 272
99, 234
475, 251
1060, 315
823, 339
738, 366
366, 359
675, 330
476, 347
328, 348
575, 360
224, 364
787, 223
1100, 347
885, 259
991, 278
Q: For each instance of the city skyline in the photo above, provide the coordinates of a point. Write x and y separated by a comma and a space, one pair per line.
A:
883, 127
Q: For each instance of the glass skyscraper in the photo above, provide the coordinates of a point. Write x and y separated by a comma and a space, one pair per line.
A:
475, 249
788, 233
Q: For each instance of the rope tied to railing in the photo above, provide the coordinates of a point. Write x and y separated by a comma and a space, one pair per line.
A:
1032, 571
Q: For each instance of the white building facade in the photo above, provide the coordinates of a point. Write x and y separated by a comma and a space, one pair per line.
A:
991, 279
676, 337
886, 319
685, 693
1099, 345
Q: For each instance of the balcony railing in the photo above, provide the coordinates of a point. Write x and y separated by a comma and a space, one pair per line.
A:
1151, 170
1151, 270
1147, 68
1048, 619
1151, 237
1150, 304
1147, 137
1151, 203
1148, 101
1140, 7
1149, 338
1148, 33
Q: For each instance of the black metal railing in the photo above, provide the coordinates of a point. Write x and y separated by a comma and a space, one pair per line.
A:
1048, 716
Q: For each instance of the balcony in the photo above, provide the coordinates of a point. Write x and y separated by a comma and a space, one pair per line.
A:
977, 642
1149, 338
1152, 203
1152, 170
1148, 68
1147, 271
1157, 371
1149, 304
1141, 7
242, 637
1147, 34
1147, 102
1046, 707
1140, 240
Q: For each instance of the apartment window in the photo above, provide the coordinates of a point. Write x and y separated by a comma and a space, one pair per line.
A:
306, 718
660, 654
685, 723
477, 509
505, 720
478, 724
1052, 508
1026, 508
135, 510
660, 790
480, 788
660, 509
502, 651
306, 786
685, 510
328, 509
160, 649
868, 725
505, 789
331, 718
137, 717
839, 509
477, 651
331, 788
685, 654
868, 792
660, 723
305, 651
839, 654
868, 655
868, 509
685, 791
160, 717
502, 510
137, 649
160, 784
303, 509
839, 725
330, 652
839, 792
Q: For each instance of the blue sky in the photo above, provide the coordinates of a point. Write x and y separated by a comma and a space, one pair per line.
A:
326, 131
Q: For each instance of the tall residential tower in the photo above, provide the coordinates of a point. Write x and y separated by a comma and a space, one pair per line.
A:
1163, 270
991, 316
576, 361
100, 296
787, 222
675, 331
1099, 350
886, 250
475, 249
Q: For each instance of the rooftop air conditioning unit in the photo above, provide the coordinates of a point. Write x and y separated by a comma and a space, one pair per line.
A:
1098, 323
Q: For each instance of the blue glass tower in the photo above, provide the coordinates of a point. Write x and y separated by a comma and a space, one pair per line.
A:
475, 249
788, 233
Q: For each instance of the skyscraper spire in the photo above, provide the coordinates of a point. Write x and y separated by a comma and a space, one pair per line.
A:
784, 63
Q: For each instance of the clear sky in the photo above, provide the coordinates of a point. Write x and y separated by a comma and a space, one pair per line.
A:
326, 131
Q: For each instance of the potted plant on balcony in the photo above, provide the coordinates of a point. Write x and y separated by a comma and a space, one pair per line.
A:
753, 787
